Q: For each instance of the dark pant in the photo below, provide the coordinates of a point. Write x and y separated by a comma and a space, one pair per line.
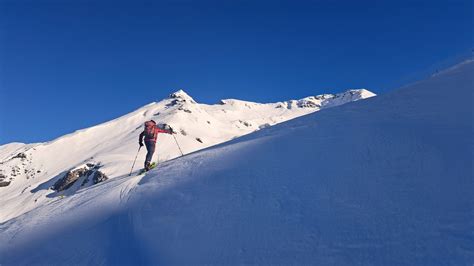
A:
150, 147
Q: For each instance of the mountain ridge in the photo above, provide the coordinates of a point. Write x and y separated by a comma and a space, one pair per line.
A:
110, 147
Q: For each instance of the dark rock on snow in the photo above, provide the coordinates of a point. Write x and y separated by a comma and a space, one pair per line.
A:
90, 170
4, 183
20, 155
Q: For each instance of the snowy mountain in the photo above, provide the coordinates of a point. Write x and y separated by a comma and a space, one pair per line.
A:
32, 175
385, 181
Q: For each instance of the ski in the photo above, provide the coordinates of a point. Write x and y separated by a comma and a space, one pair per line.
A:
142, 171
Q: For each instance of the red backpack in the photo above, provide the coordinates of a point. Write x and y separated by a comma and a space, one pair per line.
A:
150, 130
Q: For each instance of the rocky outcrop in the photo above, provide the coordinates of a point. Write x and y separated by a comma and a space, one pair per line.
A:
308, 103
3, 181
18, 166
99, 177
85, 173
69, 179
20, 155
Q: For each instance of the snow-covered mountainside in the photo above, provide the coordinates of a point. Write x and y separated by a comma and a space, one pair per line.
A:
35, 174
385, 181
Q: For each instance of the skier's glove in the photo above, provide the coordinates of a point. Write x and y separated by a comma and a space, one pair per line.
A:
140, 143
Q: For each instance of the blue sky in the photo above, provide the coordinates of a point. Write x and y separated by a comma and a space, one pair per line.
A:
66, 65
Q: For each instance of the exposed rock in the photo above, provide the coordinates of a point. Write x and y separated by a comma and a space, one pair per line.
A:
185, 110
198, 139
308, 104
247, 124
72, 176
4, 183
20, 155
172, 103
282, 105
69, 179
324, 96
15, 171
99, 177
93, 166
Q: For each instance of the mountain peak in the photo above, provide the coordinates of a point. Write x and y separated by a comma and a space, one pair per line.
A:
181, 94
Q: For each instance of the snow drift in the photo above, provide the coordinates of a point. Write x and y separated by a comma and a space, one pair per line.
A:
385, 181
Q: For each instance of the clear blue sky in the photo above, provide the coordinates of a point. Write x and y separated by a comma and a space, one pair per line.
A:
66, 65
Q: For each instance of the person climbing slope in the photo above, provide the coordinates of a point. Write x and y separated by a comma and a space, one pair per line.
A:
150, 133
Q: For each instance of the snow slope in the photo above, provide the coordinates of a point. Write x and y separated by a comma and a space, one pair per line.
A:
385, 181
28, 171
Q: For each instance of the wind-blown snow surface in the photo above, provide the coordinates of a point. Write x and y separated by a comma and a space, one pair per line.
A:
27, 171
385, 181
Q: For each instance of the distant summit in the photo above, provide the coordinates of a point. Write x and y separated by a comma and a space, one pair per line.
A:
181, 94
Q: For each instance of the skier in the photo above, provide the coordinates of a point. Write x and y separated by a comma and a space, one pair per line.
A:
150, 133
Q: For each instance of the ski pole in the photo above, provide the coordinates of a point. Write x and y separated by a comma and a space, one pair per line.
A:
177, 144
135, 161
